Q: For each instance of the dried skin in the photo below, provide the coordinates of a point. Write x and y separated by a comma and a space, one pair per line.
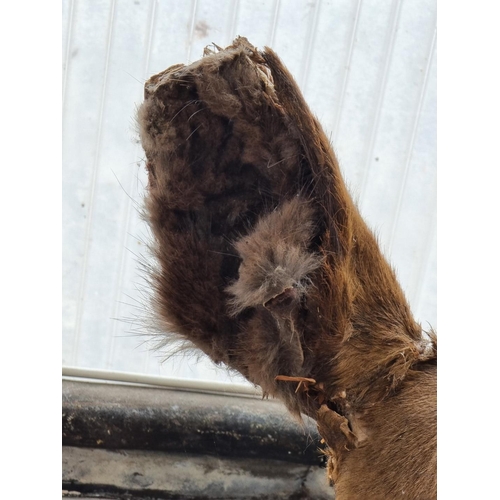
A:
266, 265
334, 429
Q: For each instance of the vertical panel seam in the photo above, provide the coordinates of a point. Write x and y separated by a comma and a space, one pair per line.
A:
83, 278
234, 18
66, 56
347, 71
194, 10
311, 39
429, 246
411, 143
128, 207
274, 23
380, 98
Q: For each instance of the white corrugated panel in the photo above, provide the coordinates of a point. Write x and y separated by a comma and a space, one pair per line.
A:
367, 69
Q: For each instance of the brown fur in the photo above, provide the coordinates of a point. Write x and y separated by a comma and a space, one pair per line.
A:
266, 265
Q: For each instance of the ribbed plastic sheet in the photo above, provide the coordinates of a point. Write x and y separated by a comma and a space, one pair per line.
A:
368, 71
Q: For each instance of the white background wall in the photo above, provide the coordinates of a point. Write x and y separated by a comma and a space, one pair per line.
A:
367, 69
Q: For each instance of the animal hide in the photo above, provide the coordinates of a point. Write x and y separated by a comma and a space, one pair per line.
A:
265, 265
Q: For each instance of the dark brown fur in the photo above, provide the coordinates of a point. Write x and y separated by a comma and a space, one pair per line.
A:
266, 265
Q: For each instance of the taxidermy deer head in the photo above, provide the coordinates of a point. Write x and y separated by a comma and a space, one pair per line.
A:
265, 265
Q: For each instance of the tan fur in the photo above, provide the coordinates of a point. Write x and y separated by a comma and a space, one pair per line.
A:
266, 265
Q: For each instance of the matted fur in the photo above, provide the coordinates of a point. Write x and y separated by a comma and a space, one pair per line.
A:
266, 265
